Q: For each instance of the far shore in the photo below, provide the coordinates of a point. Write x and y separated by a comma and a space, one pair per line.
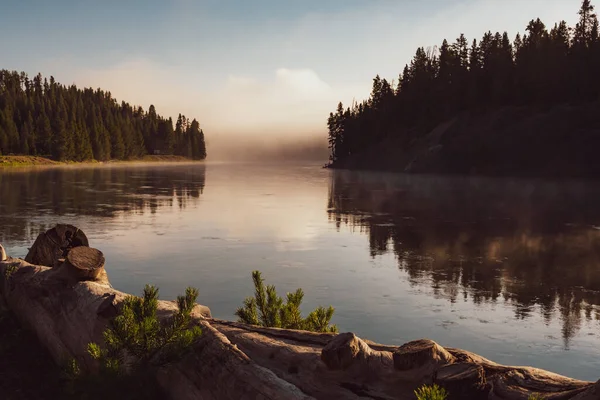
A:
35, 161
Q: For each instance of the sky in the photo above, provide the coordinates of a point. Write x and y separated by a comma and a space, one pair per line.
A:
245, 68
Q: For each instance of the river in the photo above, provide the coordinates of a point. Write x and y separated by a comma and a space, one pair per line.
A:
506, 268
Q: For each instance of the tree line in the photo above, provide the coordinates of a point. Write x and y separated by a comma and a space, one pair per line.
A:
44, 118
543, 67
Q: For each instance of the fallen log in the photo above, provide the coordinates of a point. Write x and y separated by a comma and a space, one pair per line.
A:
237, 361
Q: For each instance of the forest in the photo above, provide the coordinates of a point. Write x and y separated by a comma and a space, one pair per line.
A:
541, 68
44, 118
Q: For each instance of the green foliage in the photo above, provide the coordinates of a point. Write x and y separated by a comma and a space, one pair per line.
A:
267, 309
10, 269
138, 340
77, 385
535, 396
433, 392
542, 67
71, 374
44, 118
71, 368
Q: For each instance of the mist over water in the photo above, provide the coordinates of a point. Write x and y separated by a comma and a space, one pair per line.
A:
502, 267
269, 148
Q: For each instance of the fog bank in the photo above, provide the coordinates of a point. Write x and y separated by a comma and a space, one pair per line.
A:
232, 147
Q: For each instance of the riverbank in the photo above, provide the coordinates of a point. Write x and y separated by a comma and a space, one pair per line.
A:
34, 161
233, 360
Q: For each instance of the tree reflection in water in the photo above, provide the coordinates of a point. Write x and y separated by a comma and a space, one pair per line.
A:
534, 245
32, 200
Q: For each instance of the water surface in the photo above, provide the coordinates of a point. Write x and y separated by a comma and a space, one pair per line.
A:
506, 268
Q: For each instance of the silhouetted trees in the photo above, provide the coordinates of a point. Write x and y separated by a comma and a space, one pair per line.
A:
542, 67
41, 117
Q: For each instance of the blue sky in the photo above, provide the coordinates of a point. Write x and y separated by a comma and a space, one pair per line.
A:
243, 67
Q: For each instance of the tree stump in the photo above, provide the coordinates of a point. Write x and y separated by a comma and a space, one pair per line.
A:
421, 353
343, 350
84, 263
419, 360
54, 245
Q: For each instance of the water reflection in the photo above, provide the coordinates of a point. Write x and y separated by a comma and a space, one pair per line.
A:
31, 200
532, 245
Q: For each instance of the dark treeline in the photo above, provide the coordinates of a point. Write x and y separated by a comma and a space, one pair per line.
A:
542, 67
45, 118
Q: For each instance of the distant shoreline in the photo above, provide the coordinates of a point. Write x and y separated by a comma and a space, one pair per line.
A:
34, 161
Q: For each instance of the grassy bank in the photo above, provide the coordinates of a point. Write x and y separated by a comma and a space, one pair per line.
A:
25, 161
30, 161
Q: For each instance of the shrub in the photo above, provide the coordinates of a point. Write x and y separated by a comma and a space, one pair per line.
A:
137, 339
433, 392
267, 309
535, 396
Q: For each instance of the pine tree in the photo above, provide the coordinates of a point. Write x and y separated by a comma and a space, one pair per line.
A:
198, 146
30, 134
540, 67
583, 30
267, 309
40, 116
45, 135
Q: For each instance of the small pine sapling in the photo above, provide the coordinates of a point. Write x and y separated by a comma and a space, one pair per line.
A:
137, 339
433, 392
536, 396
268, 309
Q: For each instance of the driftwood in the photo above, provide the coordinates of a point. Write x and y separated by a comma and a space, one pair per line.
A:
237, 361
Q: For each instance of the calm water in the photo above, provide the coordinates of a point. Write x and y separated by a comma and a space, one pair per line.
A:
505, 268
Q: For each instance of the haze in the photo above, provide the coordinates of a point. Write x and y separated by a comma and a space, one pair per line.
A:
253, 73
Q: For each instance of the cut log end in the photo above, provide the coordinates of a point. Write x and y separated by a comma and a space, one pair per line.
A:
85, 263
54, 244
421, 353
341, 351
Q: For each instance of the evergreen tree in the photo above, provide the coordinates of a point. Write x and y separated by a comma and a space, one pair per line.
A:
198, 147
540, 67
584, 29
42, 117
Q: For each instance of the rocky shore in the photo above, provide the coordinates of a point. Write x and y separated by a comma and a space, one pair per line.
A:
61, 292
